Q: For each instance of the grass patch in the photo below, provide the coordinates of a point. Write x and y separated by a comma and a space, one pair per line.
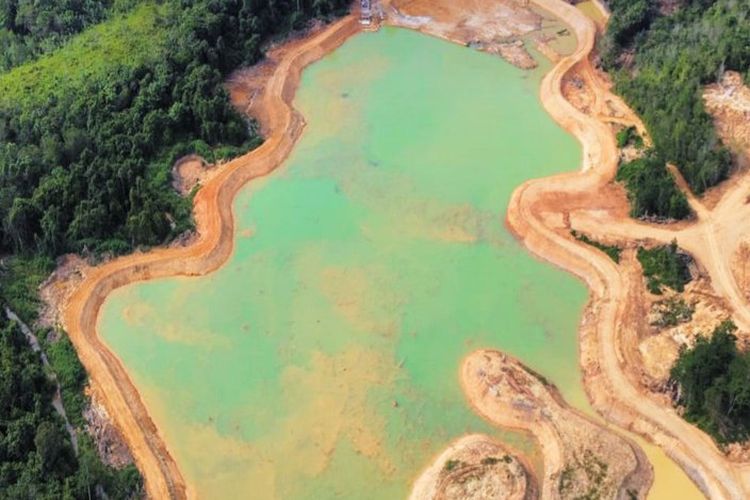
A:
125, 41
664, 266
612, 251
70, 373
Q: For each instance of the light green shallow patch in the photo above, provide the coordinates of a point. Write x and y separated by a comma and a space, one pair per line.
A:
322, 361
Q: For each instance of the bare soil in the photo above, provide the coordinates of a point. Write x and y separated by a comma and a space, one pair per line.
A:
476, 467
497, 27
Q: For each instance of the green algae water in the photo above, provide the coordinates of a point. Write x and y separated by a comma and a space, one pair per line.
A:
322, 360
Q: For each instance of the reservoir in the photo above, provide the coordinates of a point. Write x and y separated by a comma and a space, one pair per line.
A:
321, 361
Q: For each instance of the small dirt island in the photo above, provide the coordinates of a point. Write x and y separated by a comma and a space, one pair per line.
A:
476, 467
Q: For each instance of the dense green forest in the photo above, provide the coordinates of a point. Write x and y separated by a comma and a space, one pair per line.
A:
660, 63
97, 100
37, 459
712, 378
651, 188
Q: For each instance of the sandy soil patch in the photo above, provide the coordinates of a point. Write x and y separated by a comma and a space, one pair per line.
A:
476, 467
190, 171
499, 27
728, 102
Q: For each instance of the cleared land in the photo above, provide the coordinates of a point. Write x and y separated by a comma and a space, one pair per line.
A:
476, 467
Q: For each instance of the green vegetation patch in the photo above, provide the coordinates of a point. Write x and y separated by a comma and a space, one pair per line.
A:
30, 28
70, 374
612, 251
652, 191
89, 133
489, 461
712, 380
452, 465
629, 136
672, 312
665, 266
37, 458
123, 42
20, 277
660, 63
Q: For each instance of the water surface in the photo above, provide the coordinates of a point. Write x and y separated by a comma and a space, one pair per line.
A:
321, 361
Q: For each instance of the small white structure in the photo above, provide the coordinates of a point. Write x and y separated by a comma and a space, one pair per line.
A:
365, 15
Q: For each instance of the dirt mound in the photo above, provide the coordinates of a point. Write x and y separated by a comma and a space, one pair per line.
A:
476, 467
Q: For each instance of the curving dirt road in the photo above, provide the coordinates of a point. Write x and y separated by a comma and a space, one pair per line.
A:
211, 248
612, 392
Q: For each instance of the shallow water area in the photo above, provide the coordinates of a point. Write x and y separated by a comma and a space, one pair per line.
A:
322, 360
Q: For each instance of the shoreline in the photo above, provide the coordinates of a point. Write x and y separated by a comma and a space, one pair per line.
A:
607, 384
213, 245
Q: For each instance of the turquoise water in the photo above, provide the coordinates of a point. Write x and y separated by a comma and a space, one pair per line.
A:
322, 360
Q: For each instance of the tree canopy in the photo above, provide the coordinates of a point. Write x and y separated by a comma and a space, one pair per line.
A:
29, 28
714, 385
665, 266
660, 63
